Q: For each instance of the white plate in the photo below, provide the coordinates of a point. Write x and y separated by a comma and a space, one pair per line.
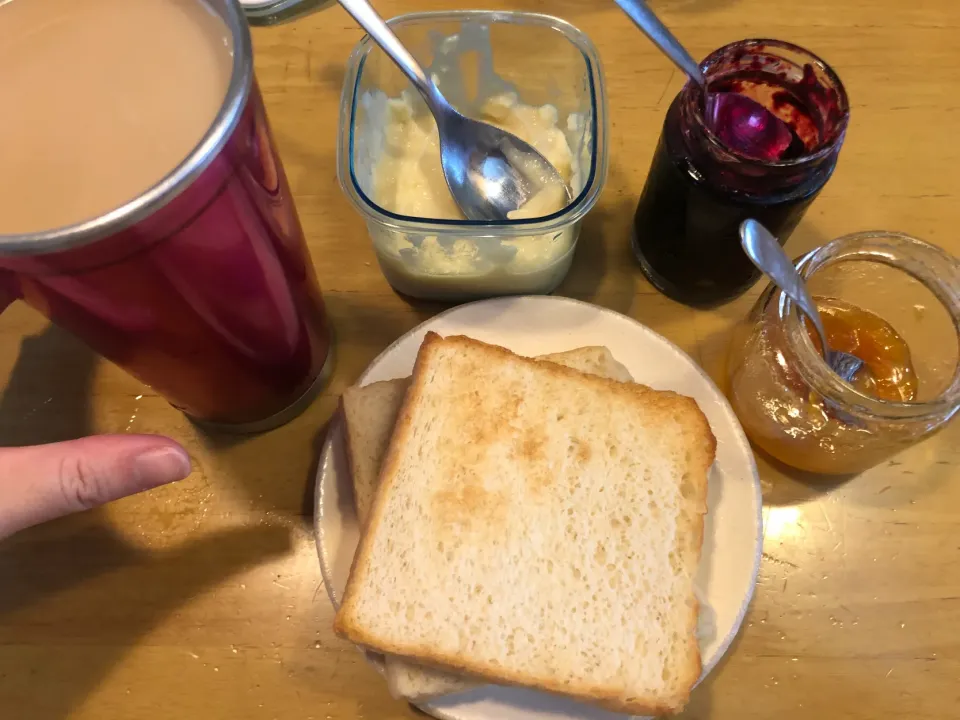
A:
733, 535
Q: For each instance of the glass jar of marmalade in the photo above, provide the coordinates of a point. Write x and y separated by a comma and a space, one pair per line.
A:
890, 299
761, 143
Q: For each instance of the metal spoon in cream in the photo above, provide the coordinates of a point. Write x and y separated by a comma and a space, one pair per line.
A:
490, 173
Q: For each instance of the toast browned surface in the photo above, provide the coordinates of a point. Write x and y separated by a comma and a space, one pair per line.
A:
537, 526
370, 413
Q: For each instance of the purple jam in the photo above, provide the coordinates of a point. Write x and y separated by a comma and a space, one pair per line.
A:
747, 127
761, 142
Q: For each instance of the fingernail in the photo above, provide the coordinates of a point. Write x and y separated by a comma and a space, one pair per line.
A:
161, 466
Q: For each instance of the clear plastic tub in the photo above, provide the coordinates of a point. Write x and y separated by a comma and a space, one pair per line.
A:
473, 56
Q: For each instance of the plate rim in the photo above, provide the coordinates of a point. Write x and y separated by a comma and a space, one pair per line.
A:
336, 425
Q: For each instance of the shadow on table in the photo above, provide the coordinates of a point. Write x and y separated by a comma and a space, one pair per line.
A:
789, 486
604, 268
603, 251
85, 597
46, 397
291, 494
276, 471
75, 583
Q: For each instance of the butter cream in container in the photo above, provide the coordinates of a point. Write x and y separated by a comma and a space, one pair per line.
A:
533, 75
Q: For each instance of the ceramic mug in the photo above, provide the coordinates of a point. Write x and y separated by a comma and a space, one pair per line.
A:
202, 286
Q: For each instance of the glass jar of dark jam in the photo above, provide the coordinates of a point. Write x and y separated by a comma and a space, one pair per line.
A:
761, 142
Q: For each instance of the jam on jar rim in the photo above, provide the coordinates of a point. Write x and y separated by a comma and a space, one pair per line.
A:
745, 47
936, 269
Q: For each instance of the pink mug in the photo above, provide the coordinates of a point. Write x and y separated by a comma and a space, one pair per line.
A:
201, 287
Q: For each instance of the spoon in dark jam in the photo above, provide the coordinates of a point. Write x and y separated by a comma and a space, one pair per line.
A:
746, 126
741, 123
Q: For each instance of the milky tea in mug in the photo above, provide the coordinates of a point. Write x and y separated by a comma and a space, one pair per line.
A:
144, 209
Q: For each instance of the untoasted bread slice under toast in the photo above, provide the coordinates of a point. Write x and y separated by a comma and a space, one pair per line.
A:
370, 413
537, 526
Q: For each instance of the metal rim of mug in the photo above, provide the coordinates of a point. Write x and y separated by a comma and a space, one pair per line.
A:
177, 180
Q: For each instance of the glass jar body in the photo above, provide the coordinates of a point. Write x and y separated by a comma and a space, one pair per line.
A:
795, 409
686, 228
699, 189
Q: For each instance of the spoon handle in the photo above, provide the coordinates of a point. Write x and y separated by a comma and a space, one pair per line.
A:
367, 18
765, 252
645, 19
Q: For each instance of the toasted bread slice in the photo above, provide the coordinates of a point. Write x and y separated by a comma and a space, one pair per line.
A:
370, 413
537, 526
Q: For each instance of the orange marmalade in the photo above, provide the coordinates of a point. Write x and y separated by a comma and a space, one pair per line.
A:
888, 372
784, 416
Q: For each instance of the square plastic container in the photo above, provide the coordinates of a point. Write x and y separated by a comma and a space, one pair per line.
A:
473, 56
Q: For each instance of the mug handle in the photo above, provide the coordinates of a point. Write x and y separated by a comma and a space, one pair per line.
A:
273, 12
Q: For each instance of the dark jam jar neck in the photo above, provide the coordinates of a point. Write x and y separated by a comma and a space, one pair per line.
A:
786, 86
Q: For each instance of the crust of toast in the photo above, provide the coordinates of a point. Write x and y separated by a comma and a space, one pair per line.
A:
347, 625
341, 624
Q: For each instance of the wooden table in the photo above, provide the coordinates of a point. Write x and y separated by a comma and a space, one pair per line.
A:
204, 599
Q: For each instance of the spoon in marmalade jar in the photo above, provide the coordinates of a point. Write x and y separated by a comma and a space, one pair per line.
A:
888, 373
765, 252
891, 300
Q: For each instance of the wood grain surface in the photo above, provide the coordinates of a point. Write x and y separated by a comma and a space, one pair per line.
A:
204, 599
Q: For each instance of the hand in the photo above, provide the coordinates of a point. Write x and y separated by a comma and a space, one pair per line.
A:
43, 482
